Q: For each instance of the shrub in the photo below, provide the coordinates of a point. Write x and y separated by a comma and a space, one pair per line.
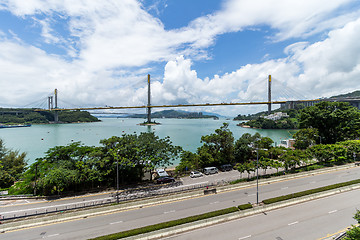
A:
163, 225
245, 206
308, 192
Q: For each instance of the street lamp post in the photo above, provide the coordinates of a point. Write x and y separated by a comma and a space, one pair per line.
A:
257, 176
117, 180
36, 166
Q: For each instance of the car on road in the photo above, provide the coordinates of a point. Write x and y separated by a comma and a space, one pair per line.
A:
210, 170
195, 174
165, 180
226, 167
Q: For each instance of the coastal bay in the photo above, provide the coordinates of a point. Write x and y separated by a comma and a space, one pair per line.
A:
37, 139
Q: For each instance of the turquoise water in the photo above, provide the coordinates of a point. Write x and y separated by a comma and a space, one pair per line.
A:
37, 139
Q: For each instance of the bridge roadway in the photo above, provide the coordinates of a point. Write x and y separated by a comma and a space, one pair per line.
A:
129, 219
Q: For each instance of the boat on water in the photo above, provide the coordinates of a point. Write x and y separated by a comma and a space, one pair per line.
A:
15, 126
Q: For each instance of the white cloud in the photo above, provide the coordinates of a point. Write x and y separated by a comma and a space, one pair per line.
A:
110, 38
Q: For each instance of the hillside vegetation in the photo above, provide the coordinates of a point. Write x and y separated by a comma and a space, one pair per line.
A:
10, 116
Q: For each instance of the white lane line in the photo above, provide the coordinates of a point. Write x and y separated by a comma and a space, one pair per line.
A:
313, 182
284, 188
251, 194
53, 235
116, 222
293, 223
333, 211
55, 206
27, 201
214, 202
245, 237
169, 212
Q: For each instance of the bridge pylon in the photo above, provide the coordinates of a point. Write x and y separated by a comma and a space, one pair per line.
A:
56, 113
269, 95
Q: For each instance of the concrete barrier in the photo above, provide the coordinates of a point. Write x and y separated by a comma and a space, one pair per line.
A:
24, 223
231, 216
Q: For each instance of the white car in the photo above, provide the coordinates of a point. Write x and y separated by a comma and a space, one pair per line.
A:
194, 174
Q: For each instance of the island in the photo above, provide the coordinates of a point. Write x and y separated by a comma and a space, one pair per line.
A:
176, 114
28, 116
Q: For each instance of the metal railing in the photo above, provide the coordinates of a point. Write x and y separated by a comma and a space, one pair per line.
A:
121, 196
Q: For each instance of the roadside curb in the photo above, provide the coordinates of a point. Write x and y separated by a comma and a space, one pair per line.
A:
74, 215
237, 215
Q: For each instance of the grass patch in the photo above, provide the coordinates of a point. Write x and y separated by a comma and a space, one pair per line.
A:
308, 192
169, 224
245, 206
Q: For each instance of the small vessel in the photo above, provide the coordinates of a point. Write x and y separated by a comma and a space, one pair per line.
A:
15, 126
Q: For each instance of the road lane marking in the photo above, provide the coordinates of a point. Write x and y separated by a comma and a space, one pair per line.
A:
284, 188
313, 182
56, 206
251, 194
245, 237
177, 200
333, 211
293, 223
53, 235
116, 222
169, 212
214, 202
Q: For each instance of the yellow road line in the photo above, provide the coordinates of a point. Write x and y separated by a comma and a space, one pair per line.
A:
338, 232
163, 203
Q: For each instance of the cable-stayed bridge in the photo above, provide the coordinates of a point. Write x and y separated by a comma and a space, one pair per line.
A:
287, 98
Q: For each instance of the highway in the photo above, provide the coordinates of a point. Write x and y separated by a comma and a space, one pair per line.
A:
307, 221
129, 219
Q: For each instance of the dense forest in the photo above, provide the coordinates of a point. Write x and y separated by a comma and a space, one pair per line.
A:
9, 116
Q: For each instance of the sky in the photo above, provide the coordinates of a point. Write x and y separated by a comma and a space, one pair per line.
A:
99, 52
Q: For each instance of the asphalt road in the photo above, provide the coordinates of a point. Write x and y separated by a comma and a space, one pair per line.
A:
311, 220
124, 220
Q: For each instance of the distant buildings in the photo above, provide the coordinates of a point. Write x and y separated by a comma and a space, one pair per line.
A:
288, 143
277, 116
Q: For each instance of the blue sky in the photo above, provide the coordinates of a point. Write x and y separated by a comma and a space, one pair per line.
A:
98, 53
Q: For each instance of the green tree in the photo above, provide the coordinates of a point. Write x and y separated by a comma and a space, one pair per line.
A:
12, 165
354, 232
306, 137
241, 168
220, 145
189, 161
250, 166
335, 121
292, 159
243, 149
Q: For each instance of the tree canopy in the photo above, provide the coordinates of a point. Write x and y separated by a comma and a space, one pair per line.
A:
334, 121
12, 165
76, 167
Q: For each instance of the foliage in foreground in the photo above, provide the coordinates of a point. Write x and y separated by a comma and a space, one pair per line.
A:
76, 167
12, 165
354, 232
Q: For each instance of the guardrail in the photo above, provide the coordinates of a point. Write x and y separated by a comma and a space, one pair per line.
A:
120, 197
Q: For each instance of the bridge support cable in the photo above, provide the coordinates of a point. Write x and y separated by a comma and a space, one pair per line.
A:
284, 92
271, 81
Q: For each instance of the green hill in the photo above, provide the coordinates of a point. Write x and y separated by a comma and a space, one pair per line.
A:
174, 114
9, 116
348, 95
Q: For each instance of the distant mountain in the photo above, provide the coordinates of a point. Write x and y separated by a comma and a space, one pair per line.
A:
348, 95
175, 114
